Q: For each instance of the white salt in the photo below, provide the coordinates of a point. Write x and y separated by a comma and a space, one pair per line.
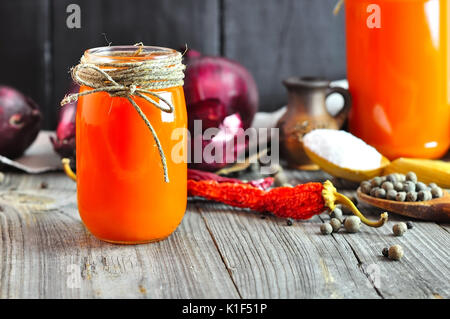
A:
342, 149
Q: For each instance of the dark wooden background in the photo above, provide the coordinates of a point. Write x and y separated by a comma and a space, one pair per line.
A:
272, 38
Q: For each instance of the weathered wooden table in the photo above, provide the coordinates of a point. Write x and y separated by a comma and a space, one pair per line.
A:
217, 252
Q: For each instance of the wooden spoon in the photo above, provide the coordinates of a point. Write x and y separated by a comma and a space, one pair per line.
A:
352, 175
437, 210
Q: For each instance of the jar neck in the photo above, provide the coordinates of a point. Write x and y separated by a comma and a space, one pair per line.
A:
126, 54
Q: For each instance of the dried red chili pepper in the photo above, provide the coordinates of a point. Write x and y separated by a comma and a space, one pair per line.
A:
299, 202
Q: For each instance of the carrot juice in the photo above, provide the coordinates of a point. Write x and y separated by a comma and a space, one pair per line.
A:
398, 73
122, 195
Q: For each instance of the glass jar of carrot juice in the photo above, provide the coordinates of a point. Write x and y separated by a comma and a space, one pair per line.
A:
398, 72
122, 193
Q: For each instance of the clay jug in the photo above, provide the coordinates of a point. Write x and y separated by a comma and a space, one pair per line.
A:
307, 111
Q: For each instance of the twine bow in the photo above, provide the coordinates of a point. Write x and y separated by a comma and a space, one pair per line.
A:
132, 79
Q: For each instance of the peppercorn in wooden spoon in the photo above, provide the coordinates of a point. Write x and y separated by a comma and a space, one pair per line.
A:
437, 209
406, 195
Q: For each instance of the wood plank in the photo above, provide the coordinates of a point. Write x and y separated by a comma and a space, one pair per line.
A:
278, 39
422, 273
45, 251
169, 23
43, 245
26, 49
268, 259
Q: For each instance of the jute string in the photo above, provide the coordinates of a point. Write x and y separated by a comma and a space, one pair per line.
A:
132, 79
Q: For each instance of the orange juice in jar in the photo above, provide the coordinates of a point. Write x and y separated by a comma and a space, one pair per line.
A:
122, 193
398, 73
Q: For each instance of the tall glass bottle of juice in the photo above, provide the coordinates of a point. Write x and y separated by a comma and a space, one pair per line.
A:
398, 73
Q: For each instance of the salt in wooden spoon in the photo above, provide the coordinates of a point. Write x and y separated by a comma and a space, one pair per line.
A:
343, 172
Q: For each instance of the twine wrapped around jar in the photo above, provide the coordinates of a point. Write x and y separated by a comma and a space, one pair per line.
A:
128, 79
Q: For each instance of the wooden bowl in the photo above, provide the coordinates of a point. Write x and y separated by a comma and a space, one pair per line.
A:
353, 175
437, 210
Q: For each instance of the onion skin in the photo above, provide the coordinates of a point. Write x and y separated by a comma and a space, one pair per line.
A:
197, 175
64, 143
20, 122
219, 78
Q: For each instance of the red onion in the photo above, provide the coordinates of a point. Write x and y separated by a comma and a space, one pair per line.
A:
20, 122
64, 143
222, 94
222, 80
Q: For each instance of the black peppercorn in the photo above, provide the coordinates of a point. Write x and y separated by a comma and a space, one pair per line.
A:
387, 186
395, 252
401, 197
391, 194
411, 196
409, 225
398, 187
380, 193
409, 186
366, 187
392, 178
385, 252
376, 181
337, 213
420, 187
437, 192
411, 176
